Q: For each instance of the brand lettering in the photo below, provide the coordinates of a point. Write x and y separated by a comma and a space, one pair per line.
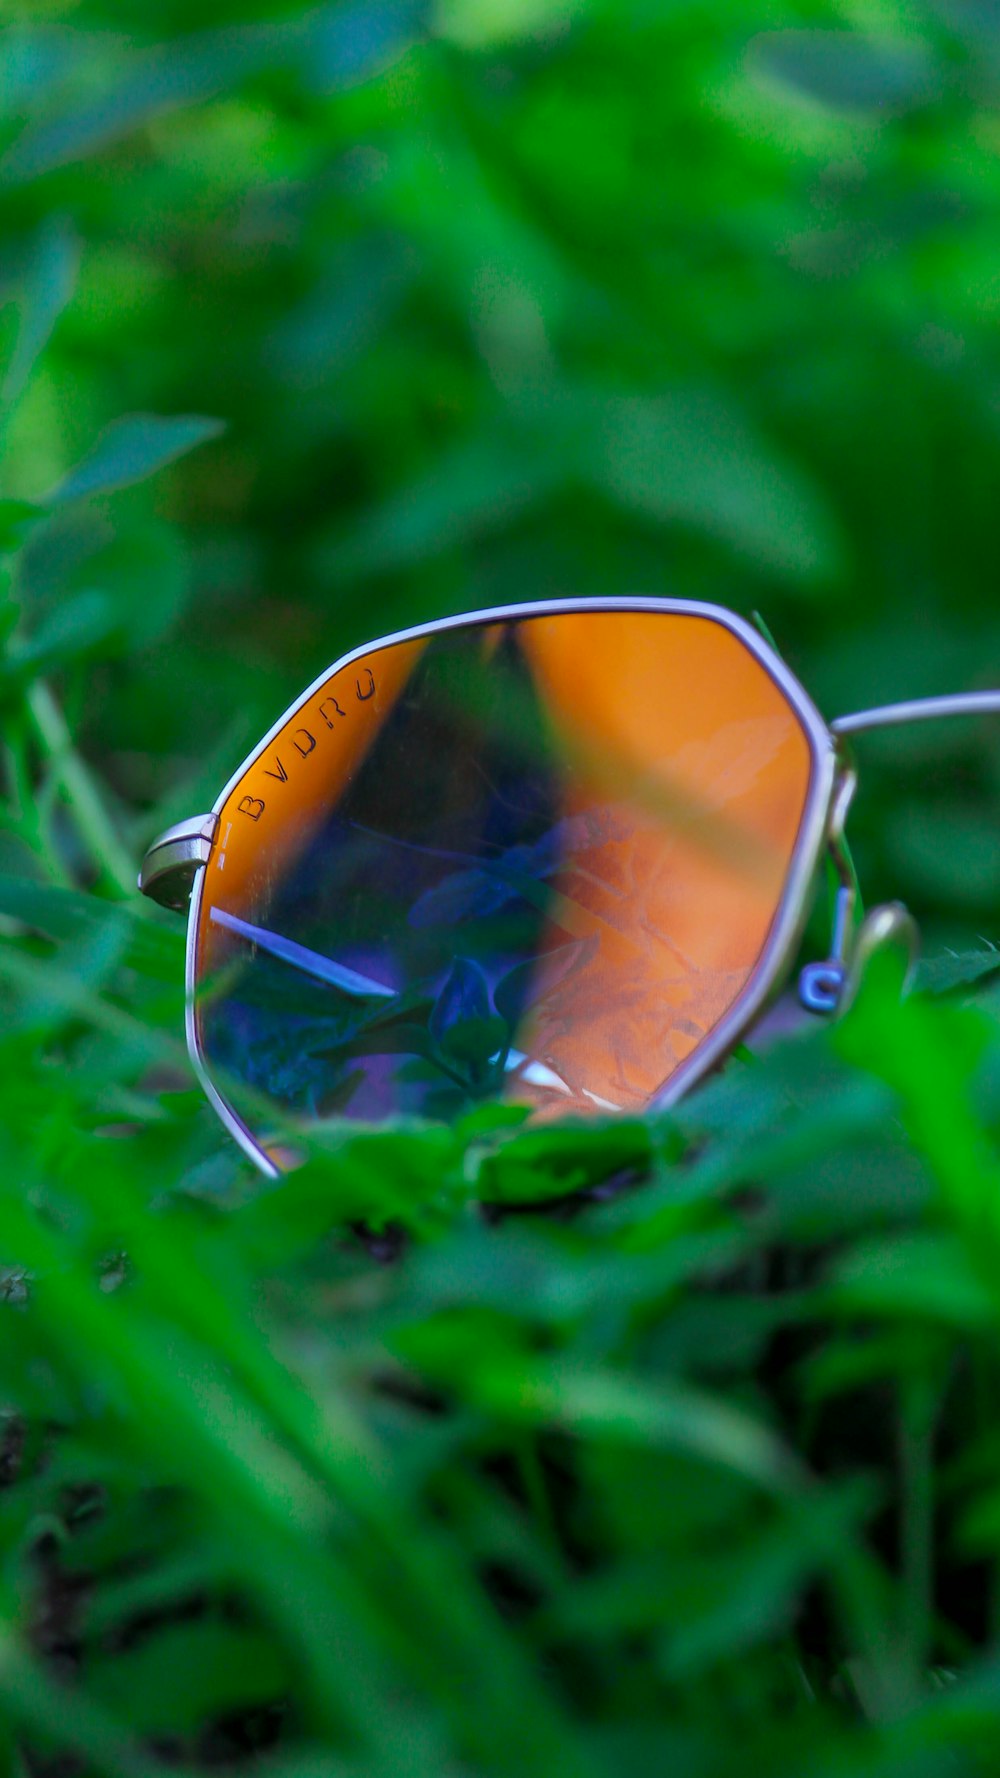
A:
304, 741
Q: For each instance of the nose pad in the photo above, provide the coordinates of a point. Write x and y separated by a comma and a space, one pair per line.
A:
889, 926
831, 986
821, 986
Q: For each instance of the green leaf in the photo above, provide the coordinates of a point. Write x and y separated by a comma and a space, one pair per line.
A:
184, 1676
18, 518
690, 458
64, 634
948, 851
132, 449
939, 975
915, 1275
155, 949
45, 287
148, 554
606, 1406
331, 45
531, 1165
482, 486
148, 84
848, 71
758, 1588
343, 44
481, 24
929, 1052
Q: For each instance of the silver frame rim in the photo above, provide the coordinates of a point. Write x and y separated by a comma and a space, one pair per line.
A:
788, 921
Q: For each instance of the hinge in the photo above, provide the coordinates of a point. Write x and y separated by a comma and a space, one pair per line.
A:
169, 866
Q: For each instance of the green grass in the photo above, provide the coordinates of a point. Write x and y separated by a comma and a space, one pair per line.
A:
665, 1444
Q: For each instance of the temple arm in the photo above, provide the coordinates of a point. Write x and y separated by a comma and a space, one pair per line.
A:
963, 703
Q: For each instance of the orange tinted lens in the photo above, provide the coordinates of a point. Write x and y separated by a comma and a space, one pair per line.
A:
539, 858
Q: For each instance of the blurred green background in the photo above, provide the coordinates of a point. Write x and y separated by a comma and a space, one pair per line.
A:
320, 321
507, 299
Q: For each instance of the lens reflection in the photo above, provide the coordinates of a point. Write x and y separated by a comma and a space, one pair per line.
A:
537, 859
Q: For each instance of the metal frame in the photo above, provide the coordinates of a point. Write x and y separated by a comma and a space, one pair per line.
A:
173, 867
962, 703
184, 847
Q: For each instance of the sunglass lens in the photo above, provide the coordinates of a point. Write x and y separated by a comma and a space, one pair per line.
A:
537, 859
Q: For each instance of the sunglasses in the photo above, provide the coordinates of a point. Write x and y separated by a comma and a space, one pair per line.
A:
557, 854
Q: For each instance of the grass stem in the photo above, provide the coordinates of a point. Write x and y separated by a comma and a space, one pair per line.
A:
115, 866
